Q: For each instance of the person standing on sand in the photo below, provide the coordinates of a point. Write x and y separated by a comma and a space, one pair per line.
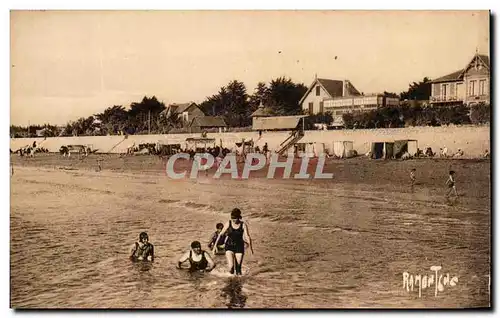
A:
451, 184
237, 236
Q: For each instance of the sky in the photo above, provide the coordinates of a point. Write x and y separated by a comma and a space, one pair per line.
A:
69, 64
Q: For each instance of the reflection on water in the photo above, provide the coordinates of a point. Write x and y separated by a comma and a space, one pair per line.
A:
233, 292
316, 246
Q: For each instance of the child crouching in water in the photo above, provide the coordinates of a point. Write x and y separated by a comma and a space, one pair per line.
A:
222, 240
142, 250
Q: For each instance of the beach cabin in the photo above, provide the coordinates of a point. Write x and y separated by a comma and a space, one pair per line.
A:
382, 150
406, 145
304, 149
343, 149
200, 144
165, 148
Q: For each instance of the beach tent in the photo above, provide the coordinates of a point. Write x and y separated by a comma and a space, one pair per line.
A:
306, 149
320, 148
382, 150
406, 145
343, 149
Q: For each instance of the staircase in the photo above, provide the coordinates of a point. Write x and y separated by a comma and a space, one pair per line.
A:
295, 136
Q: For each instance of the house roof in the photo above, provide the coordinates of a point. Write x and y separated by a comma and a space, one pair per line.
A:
180, 108
263, 111
278, 122
208, 121
485, 59
458, 75
334, 88
455, 76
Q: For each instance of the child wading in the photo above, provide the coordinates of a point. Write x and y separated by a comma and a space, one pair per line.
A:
413, 178
219, 247
451, 184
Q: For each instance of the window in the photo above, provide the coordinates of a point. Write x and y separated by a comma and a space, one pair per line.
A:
472, 88
482, 87
460, 93
321, 107
318, 90
444, 90
311, 108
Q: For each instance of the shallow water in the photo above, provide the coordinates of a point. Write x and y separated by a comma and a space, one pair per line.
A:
316, 245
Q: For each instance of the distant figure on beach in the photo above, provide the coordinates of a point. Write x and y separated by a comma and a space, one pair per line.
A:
237, 236
199, 260
459, 153
11, 169
428, 152
142, 250
413, 178
486, 154
219, 247
451, 184
445, 152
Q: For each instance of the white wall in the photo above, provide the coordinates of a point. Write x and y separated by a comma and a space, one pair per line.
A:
473, 140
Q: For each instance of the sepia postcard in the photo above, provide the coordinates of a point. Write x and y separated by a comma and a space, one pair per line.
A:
250, 159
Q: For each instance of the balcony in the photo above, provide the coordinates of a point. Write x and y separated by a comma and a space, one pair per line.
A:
445, 99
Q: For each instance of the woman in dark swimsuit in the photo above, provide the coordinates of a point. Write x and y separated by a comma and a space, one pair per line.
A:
198, 260
237, 236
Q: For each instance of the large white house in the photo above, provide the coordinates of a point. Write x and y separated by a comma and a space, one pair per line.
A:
469, 85
339, 97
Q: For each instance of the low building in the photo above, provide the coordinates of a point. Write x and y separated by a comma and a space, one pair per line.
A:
186, 111
200, 124
470, 85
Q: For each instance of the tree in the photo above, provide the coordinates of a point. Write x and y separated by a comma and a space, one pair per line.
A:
480, 113
166, 123
231, 102
418, 91
284, 96
113, 119
260, 95
238, 104
142, 115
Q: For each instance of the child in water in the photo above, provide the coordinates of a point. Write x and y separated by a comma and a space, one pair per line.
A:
142, 250
451, 184
413, 178
199, 260
222, 240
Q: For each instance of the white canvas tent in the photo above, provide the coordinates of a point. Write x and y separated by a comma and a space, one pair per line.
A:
343, 149
306, 149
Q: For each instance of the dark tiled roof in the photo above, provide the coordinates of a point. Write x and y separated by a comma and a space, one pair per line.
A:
350, 90
455, 76
458, 75
333, 87
181, 107
208, 121
485, 59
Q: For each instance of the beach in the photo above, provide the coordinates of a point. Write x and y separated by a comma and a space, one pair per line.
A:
343, 242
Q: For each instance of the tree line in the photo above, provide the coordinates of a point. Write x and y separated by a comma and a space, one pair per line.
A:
232, 102
235, 104
416, 114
